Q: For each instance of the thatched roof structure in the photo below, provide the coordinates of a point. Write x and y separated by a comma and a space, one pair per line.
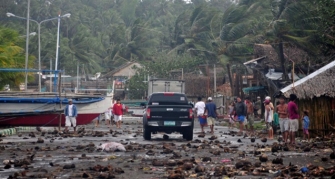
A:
319, 83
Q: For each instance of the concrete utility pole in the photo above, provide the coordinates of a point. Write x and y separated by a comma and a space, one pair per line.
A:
27, 49
214, 80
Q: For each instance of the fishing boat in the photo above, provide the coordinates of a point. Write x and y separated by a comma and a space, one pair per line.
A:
46, 109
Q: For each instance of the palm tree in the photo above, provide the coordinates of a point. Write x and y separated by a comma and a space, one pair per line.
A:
12, 56
294, 22
243, 26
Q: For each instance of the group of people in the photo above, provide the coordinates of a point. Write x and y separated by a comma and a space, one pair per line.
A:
283, 115
112, 115
206, 113
288, 114
243, 113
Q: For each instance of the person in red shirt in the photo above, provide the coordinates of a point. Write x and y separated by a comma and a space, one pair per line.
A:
293, 114
118, 112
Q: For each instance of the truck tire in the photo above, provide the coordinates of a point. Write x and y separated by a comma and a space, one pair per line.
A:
188, 134
146, 133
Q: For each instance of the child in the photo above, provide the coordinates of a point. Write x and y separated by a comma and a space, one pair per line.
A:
305, 124
97, 120
275, 121
268, 118
108, 116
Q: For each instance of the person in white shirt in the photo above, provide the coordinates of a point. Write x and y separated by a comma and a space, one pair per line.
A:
200, 110
70, 113
269, 118
108, 115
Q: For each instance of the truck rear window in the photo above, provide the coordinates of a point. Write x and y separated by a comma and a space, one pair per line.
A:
168, 99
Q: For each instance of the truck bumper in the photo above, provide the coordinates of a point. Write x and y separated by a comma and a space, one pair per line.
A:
158, 124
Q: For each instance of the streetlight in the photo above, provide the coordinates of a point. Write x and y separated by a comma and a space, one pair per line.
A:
31, 34
39, 39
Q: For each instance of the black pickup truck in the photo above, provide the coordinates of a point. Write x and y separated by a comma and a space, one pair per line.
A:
168, 112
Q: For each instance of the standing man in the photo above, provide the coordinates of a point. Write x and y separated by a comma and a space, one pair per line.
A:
250, 114
241, 112
271, 104
257, 107
211, 113
200, 110
283, 120
292, 109
70, 113
118, 112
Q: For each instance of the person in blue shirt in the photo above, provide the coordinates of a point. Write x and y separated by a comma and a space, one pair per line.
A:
305, 124
211, 113
70, 113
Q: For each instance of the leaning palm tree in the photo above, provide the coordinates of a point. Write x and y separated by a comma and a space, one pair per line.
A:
293, 22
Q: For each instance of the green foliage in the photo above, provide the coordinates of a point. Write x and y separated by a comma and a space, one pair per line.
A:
101, 35
12, 56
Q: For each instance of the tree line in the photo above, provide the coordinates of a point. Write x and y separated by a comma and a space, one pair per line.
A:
101, 35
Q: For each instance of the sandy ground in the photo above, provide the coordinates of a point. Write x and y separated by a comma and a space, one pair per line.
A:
224, 156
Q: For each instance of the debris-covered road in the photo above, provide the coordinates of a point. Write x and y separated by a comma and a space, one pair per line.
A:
49, 154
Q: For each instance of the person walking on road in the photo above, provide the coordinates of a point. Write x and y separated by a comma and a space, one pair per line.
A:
250, 114
283, 120
118, 112
108, 116
241, 112
70, 113
231, 115
293, 115
269, 118
257, 107
200, 111
211, 112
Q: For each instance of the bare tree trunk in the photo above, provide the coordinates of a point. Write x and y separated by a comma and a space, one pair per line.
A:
230, 79
282, 60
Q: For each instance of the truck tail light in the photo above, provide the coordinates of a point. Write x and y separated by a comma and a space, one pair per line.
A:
148, 113
168, 94
190, 113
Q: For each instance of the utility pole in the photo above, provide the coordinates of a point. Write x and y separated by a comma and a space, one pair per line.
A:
214, 80
27, 49
76, 91
50, 75
182, 74
207, 71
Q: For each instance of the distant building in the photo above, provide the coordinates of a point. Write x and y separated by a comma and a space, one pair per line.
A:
123, 73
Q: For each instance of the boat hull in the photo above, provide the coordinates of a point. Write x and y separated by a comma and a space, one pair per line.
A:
16, 114
44, 119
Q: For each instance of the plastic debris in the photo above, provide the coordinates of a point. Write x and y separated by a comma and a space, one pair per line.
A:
111, 147
304, 169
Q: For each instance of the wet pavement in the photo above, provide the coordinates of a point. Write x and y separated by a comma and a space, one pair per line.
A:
49, 154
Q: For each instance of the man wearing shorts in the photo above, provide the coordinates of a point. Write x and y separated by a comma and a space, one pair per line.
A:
118, 112
292, 109
241, 112
211, 113
70, 113
200, 111
250, 114
283, 120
